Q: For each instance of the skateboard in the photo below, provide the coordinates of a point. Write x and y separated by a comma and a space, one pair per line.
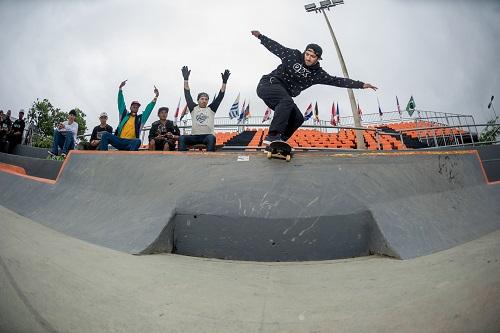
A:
279, 149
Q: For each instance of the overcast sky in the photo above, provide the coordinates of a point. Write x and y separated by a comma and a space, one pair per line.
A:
75, 53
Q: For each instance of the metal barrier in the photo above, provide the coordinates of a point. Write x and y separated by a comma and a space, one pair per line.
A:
454, 121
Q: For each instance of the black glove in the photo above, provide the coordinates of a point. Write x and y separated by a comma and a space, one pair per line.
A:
225, 75
185, 72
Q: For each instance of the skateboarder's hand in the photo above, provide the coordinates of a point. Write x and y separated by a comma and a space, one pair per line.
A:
185, 73
157, 93
369, 86
256, 33
225, 75
123, 84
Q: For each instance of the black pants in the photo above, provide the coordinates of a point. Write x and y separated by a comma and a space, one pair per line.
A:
287, 116
14, 140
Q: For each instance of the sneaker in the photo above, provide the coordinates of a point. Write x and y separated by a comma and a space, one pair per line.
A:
63, 155
271, 138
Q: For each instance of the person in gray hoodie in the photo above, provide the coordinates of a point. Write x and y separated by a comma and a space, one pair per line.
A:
202, 114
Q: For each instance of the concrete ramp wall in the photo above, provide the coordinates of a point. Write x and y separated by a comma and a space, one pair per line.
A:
243, 206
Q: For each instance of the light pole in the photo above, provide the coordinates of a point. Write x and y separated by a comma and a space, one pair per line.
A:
327, 4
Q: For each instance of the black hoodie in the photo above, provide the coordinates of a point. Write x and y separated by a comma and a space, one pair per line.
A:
295, 76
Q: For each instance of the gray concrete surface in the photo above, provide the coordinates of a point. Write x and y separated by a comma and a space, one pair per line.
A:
213, 205
33, 166
50, 282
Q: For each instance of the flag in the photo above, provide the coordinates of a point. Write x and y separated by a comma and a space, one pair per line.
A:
491, 102
316, 112
333, 115
338, 114
243, 107
184, 111
379, 109
241, 116
410, 107
309, 112
267, 115
397, 103
177, 110
234, 111
247, 111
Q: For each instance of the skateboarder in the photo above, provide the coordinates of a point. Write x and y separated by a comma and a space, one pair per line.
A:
297, 72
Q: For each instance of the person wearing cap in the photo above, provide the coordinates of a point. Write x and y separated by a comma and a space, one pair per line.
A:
98, 131
65, 136
131, 124
163, 133
15, 135
297, 72
4, 129
202, 114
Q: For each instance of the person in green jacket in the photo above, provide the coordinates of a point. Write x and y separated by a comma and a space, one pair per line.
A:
128, 131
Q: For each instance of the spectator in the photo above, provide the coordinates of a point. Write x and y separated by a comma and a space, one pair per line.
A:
129, 129
7, 119
202, 131
163, 132
65, 136
15, 135
98, 131
4, 129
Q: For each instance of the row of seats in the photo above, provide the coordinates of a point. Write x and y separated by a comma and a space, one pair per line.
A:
346, 138
407, 127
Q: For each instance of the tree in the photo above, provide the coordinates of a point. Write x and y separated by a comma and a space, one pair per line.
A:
491, 131
45, 117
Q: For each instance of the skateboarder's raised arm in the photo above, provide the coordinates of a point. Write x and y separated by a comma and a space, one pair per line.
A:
327, 79
187, 91
215, 104
273, 46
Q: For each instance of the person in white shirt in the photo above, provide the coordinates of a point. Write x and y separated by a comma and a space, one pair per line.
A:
65, 136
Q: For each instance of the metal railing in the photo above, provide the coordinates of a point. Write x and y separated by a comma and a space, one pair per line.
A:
428, 135
453, 139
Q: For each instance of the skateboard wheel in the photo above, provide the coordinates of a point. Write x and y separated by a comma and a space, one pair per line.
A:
288, 158
269, 154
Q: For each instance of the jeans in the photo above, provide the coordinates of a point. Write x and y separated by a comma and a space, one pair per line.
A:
287, 116
63, 140
190, 140
118, 143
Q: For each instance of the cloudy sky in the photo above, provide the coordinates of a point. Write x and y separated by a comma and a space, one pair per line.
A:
75, 53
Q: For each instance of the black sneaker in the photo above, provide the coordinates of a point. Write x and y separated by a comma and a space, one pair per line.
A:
271, 138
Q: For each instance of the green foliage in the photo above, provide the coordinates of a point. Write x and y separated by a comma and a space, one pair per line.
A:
45, 117
42, 141
490, 132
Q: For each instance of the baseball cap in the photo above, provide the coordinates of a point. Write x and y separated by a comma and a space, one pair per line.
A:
103, 114
135, 102
316, 48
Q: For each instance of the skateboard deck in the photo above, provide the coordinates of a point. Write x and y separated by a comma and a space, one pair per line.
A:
279, 149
